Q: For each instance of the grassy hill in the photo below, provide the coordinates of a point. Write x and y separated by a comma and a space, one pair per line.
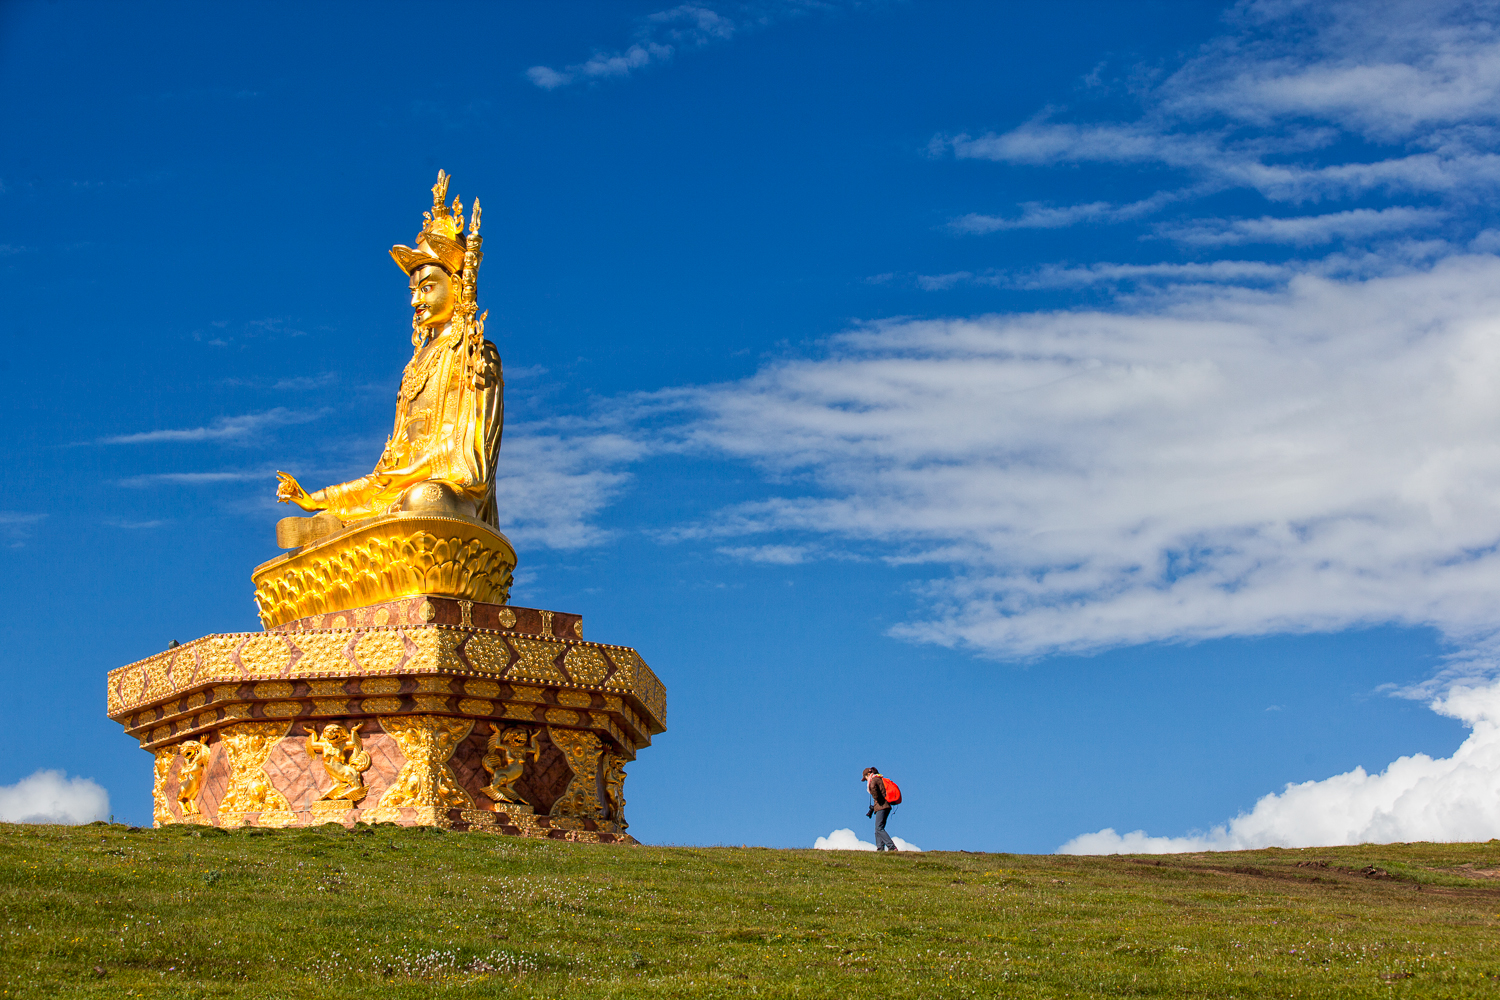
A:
108, 911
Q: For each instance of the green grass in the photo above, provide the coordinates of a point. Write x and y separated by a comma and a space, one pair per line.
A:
106, 911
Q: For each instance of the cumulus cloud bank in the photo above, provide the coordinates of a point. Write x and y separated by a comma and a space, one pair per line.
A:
1416, 798
848, 840
53, 797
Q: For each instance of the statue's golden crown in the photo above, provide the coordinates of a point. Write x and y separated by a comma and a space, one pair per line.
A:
441, 241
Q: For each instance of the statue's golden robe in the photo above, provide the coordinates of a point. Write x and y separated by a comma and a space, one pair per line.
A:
450, 410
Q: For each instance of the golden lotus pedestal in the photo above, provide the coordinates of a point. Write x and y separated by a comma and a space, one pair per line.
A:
417, 708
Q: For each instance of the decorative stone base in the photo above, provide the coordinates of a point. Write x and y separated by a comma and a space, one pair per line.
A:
417, 716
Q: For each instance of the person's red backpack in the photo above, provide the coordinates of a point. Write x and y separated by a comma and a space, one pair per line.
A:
892, 791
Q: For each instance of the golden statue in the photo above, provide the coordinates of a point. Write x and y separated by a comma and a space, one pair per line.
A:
450, 408
388, 623
344, 758
505, 759
424, 521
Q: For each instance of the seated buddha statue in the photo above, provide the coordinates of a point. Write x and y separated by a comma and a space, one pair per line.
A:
441, 454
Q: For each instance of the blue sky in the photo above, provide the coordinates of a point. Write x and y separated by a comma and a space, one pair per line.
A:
1085, 412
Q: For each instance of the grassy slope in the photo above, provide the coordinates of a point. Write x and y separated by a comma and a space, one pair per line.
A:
109, 912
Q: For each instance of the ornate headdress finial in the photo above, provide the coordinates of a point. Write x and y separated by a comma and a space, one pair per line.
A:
443, 221
439, 241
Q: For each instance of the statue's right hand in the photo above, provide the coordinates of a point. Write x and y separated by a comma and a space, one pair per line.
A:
288, 490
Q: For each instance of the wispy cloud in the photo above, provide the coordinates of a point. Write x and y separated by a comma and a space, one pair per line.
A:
293, 383
15, 526
778, 555
1305, 230
1229, 272
1298, 102
1237, 272
238, 428
190, 479
1214, 461
1036, 215
658, 37
553, 479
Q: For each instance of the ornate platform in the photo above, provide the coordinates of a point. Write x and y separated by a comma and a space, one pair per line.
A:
434, 696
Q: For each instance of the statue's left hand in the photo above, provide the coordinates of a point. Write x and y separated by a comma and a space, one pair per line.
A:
288, 490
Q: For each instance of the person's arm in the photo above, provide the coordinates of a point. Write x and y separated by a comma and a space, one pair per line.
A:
877, 792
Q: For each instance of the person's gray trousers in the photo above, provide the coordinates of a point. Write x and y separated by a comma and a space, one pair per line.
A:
883, 841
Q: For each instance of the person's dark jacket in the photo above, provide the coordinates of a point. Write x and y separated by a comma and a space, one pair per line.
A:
876, 786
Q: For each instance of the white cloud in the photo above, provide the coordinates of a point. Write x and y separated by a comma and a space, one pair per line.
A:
1305, 229
15, 526
1221, 461
1384, 69
779, 555
943, 282
1218, 162
1035, 215
191, 479
551, 481
1299, 102
848, 840
1416, 798
659, 37
1237, 272
548, 78
1231, 272
53, 797
222, 429
1042, 142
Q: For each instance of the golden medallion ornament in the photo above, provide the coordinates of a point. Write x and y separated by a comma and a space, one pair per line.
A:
394, 681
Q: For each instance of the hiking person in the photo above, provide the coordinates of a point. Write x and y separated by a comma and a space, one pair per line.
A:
884, 794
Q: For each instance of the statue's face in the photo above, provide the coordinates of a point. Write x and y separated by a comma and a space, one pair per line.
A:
333, 733
432, 296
